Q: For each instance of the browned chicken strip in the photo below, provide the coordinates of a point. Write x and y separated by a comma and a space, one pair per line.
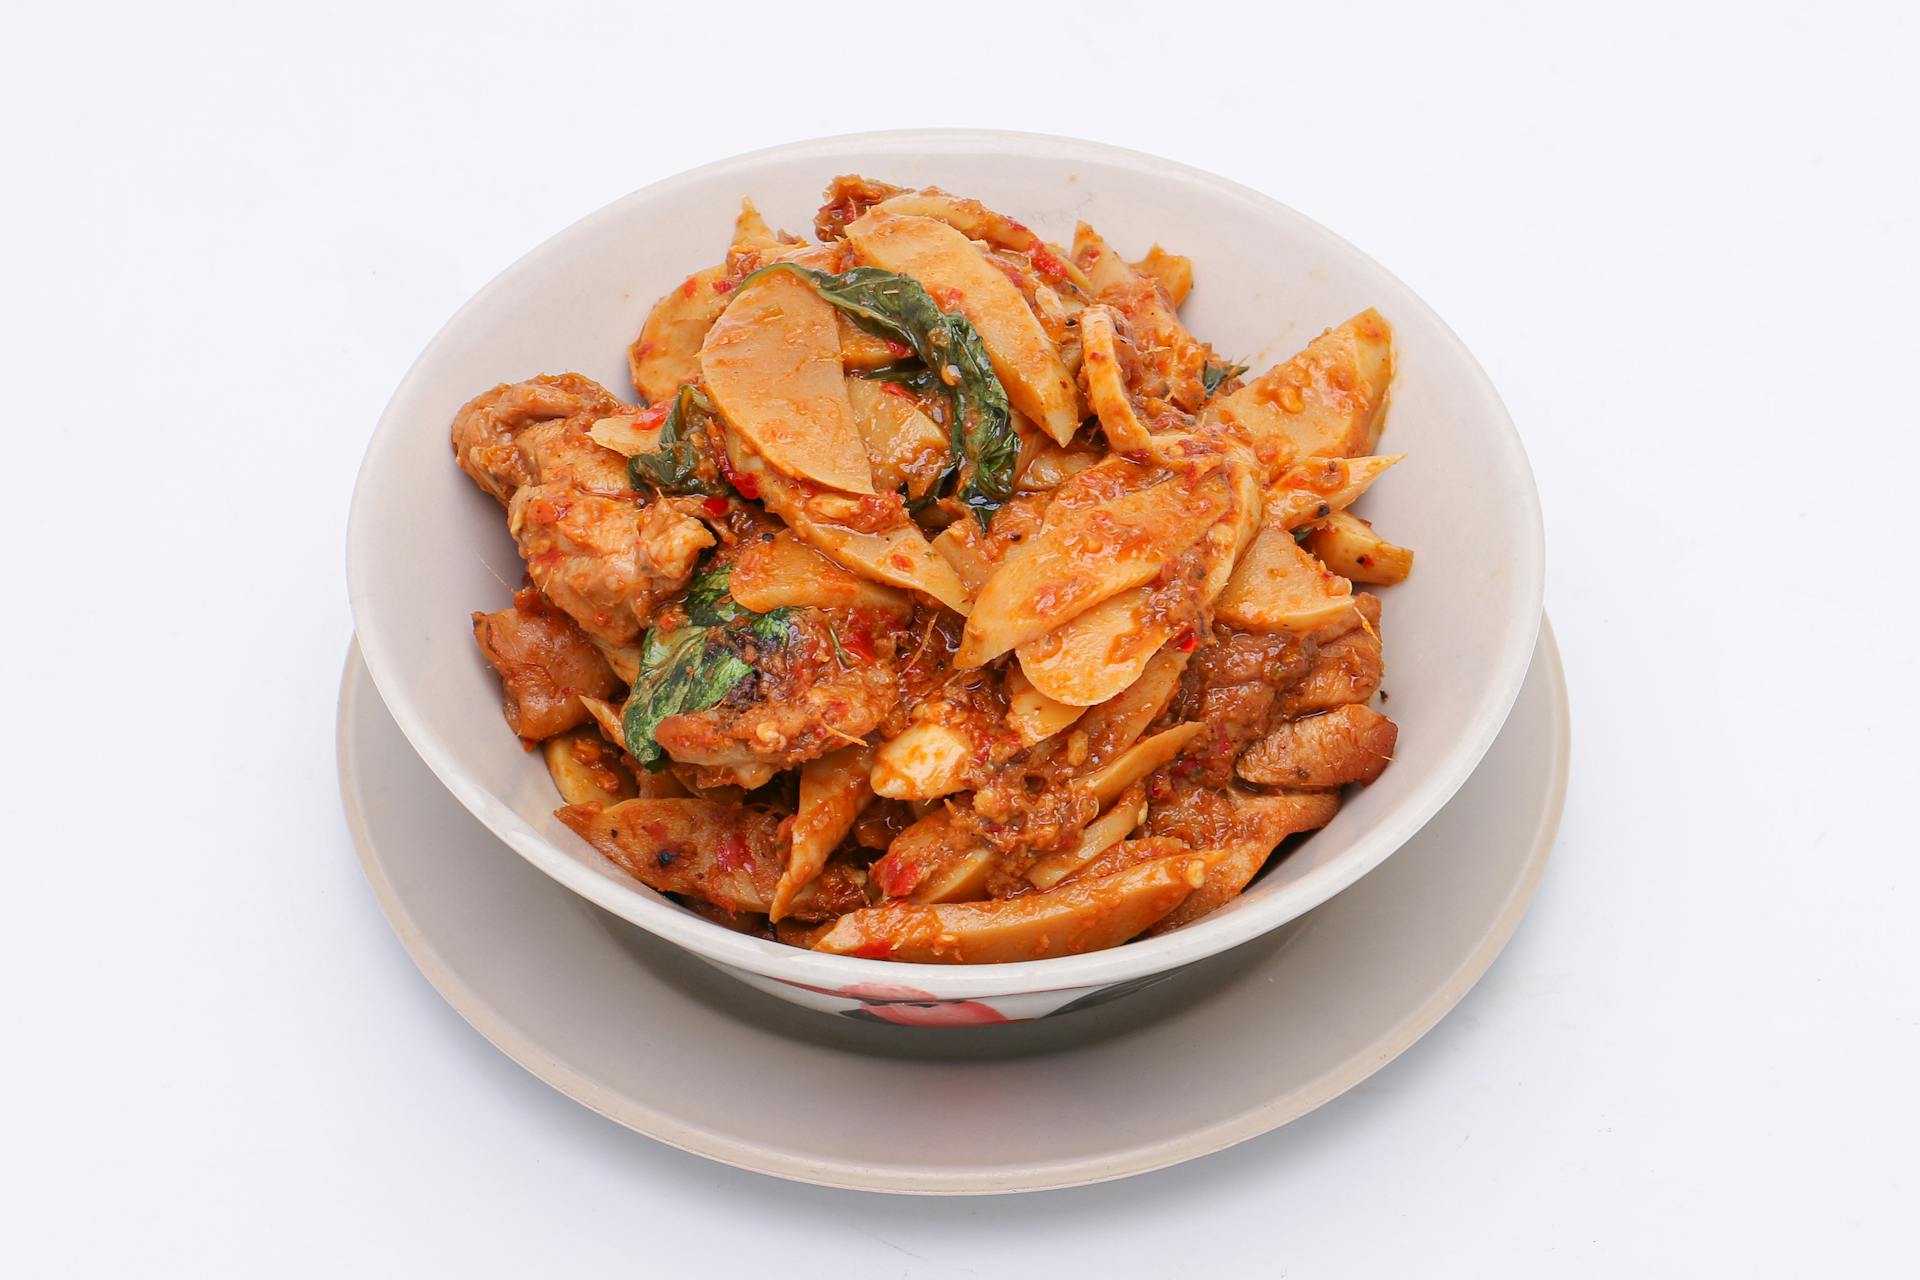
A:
826, 686
487, 428
605, 554
727, 854
1345, 670
1235, 831
545, 663
1353, 743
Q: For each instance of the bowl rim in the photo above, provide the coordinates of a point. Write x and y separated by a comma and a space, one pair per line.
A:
1205, 937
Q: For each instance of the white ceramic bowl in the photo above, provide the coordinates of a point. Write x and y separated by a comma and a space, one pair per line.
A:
425, 547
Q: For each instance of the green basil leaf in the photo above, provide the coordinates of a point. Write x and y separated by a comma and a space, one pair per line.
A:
707, 602
985, 445
1214, 374
694, 667
674, 467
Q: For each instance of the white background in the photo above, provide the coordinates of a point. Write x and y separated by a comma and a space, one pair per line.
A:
1681, 241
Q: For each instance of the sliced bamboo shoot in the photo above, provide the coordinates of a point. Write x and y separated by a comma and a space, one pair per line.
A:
1174, 271
727, 854
784, 571
1091, 548
1106, 383
772, 365
1348, 546
1031, 714
1105, 831
1314, 489
898, 557
1099, 653
960, 278
585, 770
1326, 401
667, 352
1107, 782
977, 222
926, 761
1278, 587
832, 788
1268, 820
905, 448
1117, 723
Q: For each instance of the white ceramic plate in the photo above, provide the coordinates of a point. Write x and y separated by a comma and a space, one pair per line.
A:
619, 1020
425, 546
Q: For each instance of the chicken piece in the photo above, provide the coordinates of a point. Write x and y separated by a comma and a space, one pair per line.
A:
1353, 743
1172, 363
1231, 686
727, 854
847, 197
828, 685
1345, 670
545, 663
604, 554
601, 551
1087, 915
1237, 832
486, 430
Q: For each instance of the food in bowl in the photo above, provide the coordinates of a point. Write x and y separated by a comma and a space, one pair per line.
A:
943, 599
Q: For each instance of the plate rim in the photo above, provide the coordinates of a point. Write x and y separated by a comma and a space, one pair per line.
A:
652, 1122
982, 981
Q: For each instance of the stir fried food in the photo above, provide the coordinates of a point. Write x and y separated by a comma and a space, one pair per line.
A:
939, 597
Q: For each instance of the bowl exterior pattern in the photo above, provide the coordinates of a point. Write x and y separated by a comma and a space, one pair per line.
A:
912, 1006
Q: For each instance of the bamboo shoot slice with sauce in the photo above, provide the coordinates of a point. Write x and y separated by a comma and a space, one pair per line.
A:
667, 352
1072, 919
1106, 385
926, 760
726, 854
1348, 546
1107, 782
899, 557
905, 448
934, 860
1105, 831
1279, 587
771, 363
1099, 653
960, 278
832, 788
585, 770
1327, 401
1109, 529
1313, 489
1031, 714
1173, 271
1117, 723
977, 222
784, 571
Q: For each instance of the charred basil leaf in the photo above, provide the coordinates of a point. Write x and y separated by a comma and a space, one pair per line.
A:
695, 666
675, 466
954, 360
1214, 374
